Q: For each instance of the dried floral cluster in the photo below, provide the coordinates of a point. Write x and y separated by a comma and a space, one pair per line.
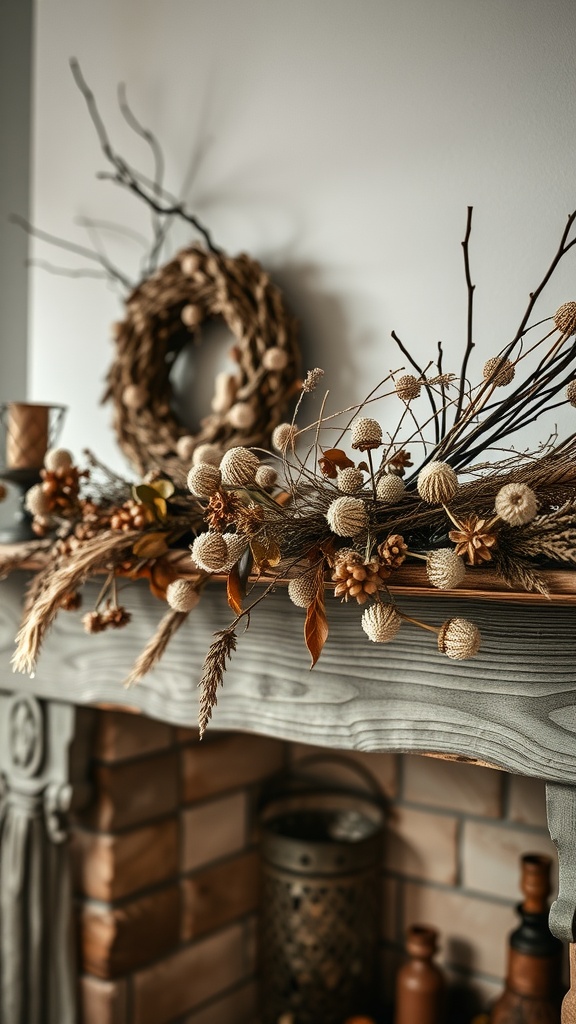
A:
339, 516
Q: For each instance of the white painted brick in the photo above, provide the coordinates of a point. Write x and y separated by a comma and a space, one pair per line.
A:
527, 802
473, 931
452, 786
423, 845
491, 857
381, 766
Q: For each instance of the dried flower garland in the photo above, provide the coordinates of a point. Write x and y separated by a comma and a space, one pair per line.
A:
340, 516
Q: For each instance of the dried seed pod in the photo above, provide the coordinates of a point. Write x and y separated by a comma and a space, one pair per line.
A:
390, 488
37, 502
516, 504
204, 480
241, 416
266, 477
437, 483
302, 589
365, 433
393, 551
134, 397
381, 623
565, 318
347, 517
211, 453
283, 436
236, 544
571, 393
350, 480
58, 458
185, 447
275, 359
210, 551
408, 387
459, 639
182, 595
238, 467
357, 579
190, 263
498, 371
192, 315
445, 569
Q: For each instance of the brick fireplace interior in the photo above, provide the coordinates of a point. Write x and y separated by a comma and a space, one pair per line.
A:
166, 869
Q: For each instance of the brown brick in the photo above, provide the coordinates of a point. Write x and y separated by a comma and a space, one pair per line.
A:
134, 792
237, 1007
117, 940
213, 830
119, 736
229, 762
108, 867
103, 1002
219, 895
453, 786
192, 975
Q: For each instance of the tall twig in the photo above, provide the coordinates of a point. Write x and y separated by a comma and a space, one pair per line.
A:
469, 314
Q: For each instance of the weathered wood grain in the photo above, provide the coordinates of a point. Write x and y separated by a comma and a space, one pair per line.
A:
513, 705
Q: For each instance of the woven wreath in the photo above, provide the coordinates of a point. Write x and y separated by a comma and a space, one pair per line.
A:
162, 315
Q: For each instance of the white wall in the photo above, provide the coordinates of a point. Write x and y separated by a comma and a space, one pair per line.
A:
339, 141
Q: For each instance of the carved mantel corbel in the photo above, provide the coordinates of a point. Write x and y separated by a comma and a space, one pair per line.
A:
561, 808
42, 756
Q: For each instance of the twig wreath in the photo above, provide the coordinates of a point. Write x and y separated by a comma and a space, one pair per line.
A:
168, 308
162, 314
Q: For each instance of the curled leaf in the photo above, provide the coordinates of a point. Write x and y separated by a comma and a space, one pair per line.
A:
316, 625
151, 545
235, 589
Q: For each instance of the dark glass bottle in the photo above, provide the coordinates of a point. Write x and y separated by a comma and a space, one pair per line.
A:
533, 992
420, 983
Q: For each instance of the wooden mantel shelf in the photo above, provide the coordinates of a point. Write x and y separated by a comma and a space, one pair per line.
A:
513, 706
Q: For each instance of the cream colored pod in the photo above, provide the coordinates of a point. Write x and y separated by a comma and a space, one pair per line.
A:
516, 504
381, 623
210, 551
347, 516
182, 595
204, 480
238, 467
445, 569
437, 483
57, 458
302, 589
459, 639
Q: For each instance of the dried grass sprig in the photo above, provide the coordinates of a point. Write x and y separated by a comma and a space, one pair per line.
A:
56, 579
152, 653
219, 652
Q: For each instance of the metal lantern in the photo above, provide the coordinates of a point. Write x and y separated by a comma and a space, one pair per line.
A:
320, 906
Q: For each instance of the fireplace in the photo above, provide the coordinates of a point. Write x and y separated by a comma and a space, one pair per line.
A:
166, 868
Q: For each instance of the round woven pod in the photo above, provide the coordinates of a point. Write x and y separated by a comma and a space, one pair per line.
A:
163, 314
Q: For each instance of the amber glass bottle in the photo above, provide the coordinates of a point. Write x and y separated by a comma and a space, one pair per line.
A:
420, 983
533, 992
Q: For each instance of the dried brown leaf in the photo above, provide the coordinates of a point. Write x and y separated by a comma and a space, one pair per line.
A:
235, 590
316, 625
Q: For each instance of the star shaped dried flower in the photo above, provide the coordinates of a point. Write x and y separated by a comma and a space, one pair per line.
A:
473, 539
